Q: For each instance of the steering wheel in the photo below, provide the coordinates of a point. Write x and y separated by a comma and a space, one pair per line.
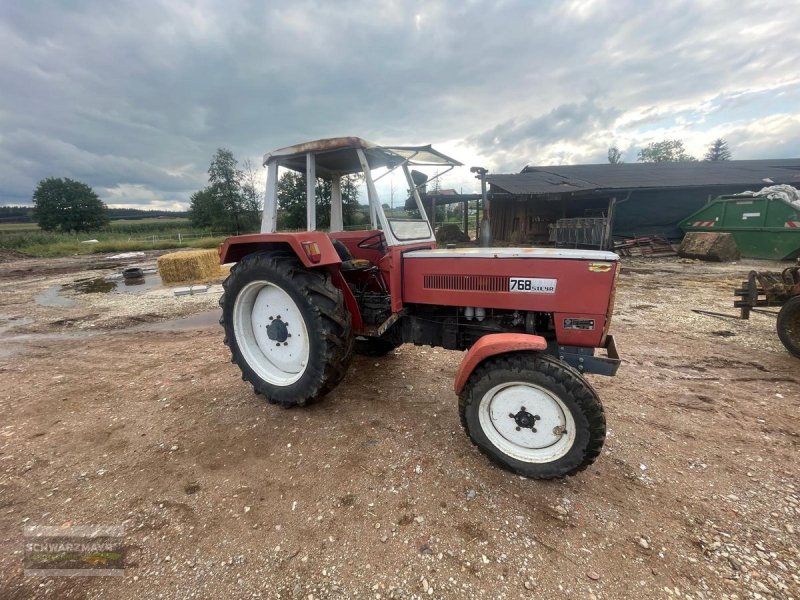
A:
374, 242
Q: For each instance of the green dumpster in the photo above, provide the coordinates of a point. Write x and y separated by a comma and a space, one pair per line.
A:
763, 227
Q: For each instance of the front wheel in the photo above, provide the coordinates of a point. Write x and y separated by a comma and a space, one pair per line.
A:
533, 414
789, 326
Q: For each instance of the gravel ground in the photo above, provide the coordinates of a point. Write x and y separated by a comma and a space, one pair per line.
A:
121, 410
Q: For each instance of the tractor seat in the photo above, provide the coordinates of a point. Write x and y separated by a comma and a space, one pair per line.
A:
357, 264
348, 262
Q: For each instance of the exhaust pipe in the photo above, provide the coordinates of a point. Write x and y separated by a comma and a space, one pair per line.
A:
485, 236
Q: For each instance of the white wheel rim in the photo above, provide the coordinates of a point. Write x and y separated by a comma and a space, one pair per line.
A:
514, 435
271, 333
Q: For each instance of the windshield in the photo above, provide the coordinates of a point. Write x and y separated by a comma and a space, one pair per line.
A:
410, 229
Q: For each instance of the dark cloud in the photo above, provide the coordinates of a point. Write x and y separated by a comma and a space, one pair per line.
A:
134, 97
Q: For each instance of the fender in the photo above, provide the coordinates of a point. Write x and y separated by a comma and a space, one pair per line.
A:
233, 249
349, 299
492, 345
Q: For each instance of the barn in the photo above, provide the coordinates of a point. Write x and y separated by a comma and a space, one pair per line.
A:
589, 205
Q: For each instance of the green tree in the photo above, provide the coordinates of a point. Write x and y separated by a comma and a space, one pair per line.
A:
665, 151
68, 205
292, 200
718, 150
224, 180
231, 202
615, 156
205, 210
252, 197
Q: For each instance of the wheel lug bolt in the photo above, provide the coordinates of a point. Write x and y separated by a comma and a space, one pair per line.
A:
270, 318
517, 428
523, 408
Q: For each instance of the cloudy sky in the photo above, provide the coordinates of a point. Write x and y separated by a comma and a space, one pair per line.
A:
133, 97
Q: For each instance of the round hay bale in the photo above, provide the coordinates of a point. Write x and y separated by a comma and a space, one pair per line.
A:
188, 265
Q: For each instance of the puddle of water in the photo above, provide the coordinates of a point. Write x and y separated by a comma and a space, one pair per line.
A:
62, 295
100, 285
51, 297
201, 320
16, 343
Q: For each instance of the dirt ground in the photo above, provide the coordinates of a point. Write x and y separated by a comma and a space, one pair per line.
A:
123, 409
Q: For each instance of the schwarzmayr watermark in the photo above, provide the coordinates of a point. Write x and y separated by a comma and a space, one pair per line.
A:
81, 550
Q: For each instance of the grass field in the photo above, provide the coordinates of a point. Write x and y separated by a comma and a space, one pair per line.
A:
116, 225
118, 236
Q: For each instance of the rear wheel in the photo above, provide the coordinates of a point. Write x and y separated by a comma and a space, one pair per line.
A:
287, 328
534, 415
789, 326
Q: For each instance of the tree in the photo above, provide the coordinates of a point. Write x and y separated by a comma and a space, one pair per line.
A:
206, 211
718, 151
292, 200
68, 205
231, 202
615, 156
253, 198
225, 183
664, 151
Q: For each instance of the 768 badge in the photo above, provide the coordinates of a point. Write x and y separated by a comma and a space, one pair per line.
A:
534, 285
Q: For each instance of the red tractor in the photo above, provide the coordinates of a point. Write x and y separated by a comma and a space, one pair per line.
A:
297, 304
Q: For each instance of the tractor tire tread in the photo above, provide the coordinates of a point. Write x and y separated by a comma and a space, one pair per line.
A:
789, 326
330, 315
561, 375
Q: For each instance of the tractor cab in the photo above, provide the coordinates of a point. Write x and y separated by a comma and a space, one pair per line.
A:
332, 159
364, 259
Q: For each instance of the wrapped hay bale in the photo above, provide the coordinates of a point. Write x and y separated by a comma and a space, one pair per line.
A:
188, 265
719, 247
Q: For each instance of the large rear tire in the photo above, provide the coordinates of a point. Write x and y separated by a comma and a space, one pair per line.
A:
287, 328
533, 415
789, 326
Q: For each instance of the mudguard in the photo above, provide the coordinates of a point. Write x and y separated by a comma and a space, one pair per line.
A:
492, 345
235, 248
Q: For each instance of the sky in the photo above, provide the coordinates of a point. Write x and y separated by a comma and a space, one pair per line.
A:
134, 97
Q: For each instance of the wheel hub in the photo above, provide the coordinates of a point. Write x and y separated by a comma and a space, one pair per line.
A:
278, 330
524, 419
271, 332
527, 421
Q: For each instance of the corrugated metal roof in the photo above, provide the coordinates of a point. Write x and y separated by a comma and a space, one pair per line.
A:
336, 155
585, 178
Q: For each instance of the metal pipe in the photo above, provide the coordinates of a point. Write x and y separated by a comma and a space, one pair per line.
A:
311, 192
337, 221
269, 219
485, 237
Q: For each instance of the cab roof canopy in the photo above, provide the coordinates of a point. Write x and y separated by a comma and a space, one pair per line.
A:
337, 156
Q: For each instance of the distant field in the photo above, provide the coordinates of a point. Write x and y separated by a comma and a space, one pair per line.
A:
119, 236
167, 222
18, 227
115, 224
